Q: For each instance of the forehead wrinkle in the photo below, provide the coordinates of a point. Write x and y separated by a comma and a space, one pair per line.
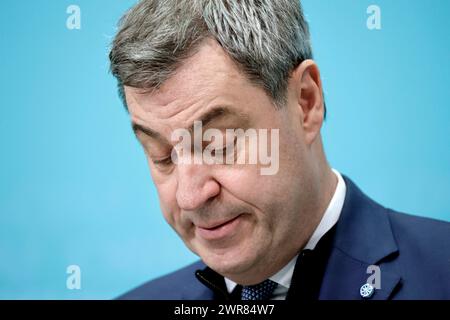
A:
208, 75
204, 74
213, 114
210, 72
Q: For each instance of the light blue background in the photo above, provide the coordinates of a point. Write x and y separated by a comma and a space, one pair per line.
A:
74, 184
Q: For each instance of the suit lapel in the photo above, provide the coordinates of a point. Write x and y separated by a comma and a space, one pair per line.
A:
345, 276
363, 238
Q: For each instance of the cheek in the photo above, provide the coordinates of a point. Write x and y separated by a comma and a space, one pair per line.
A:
257, 192
240, 181
168, 203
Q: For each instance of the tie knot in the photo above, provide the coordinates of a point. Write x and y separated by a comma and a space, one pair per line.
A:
260, 291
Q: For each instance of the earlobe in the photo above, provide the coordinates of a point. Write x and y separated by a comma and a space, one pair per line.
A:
310, 98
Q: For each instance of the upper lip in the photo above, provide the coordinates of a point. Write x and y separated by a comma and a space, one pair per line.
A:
217, 224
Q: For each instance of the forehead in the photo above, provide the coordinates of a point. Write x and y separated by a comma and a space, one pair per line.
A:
204, 78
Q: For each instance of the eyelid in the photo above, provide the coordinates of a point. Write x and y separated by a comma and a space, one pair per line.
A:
225, 147
162, 161
168, 160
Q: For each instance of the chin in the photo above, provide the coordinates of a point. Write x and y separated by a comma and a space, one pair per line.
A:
228, 262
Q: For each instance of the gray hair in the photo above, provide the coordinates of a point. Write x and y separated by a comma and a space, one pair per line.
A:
266, 38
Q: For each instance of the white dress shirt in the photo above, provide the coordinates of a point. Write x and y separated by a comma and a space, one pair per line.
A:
329, 219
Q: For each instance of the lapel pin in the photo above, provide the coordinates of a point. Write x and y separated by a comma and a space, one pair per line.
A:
366, 291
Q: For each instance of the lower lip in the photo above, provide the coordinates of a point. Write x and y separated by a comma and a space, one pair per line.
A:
219, 232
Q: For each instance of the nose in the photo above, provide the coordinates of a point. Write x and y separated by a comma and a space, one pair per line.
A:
196, 186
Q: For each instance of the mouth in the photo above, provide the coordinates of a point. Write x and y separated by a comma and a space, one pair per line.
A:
219, 230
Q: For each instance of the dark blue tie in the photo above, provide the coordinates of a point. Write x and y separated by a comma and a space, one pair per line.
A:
260, 291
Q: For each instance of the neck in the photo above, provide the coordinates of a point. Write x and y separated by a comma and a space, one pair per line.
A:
328, 183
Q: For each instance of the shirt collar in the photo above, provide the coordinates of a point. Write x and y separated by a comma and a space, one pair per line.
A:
332, 213
329, 219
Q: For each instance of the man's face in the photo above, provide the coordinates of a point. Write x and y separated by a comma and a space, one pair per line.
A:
242, 224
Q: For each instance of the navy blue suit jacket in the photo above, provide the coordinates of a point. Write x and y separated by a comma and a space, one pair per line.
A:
413, 255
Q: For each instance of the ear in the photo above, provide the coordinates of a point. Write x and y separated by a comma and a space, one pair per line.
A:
309, 98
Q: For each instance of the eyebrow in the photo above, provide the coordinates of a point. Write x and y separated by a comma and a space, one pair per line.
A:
205, 119
146, 130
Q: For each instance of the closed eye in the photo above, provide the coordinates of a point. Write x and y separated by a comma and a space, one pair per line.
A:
222, 151
162, 162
